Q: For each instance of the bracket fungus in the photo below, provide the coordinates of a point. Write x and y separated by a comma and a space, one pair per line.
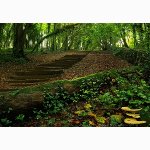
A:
129, 109
133, 121
133, 115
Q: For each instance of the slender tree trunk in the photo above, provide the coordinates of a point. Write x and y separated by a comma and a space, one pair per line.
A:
7, 41
77, 44
19, 40
71, 41
2, 26
48, 31
65, 43
124, 39
123, 35
140, 32
59, 42
148, 36
105, 45
134, 34
54, 39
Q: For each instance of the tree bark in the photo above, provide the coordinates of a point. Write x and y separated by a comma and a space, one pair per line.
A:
123, 34
140, 32
19, 40
48, 31
54, 39
148, 36
2, 26
124, 39
134, 34
65, 43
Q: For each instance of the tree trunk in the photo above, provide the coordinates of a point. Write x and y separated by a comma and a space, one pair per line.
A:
2, 26
123, 35
71, 42
134, 34
124, 39
54, 39
140, 32
48, 31
19, 40
148, 36
65, 43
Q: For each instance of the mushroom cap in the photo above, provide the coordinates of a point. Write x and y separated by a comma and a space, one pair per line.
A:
133, 121
133, 115
129, 109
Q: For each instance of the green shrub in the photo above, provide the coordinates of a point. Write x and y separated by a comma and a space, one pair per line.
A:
145, 114
20, 117
115, 120
134, 56
134, 95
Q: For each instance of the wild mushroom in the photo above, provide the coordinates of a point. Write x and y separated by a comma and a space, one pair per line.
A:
133, 121
133, 115
130, 110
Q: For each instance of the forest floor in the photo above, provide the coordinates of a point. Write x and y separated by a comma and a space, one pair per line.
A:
83, 111
92, 63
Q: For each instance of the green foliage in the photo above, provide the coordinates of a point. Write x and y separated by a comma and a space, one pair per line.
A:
111, 89
106, 99
7, 111
115, 120
38, 114
134, 95
5, 122
134, 56
54, 103
83, 114
145, 114
89, 88
100, 120
85, 124
15, 93
87, 36
20, 117
51, 121
9, 58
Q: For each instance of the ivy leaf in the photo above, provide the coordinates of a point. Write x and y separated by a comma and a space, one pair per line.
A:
92, 123
91, 114
100, 120
87, 106
79, 112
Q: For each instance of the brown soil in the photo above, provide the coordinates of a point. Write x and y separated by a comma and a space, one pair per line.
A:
9, 69
92, 63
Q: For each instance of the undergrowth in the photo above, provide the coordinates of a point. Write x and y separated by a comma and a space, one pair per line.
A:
109, 90
5, 58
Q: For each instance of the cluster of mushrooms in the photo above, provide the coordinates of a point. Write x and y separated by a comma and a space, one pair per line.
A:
133, 116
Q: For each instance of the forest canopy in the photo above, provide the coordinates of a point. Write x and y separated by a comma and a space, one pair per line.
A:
20, 38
